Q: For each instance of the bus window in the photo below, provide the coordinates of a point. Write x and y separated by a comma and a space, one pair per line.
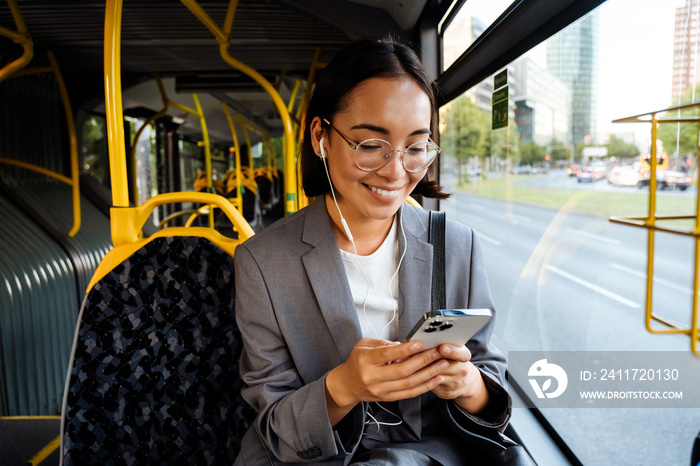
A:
563, 277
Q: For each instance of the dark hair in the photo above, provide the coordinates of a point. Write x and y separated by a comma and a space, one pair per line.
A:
356, 63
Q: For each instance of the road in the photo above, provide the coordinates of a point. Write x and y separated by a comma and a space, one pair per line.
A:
565, 281
559, 179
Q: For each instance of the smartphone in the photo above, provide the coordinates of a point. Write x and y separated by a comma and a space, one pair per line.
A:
455, 326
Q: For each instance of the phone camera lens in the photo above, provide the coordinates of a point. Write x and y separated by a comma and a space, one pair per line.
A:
436, 323
430, 329
446, 326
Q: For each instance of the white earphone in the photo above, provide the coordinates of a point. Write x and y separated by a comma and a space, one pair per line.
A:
323, 152
364, 310
342, 219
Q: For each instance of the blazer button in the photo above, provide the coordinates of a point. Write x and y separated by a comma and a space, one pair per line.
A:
303, 454
316, 452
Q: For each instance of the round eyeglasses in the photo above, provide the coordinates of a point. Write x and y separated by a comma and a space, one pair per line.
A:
373, 154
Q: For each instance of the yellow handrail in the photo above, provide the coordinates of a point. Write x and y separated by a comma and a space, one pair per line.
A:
650, 224
73, 144
207, 152
238, 201
175, 215
127, 222
20, 37
113, 103
74, 179
222, 36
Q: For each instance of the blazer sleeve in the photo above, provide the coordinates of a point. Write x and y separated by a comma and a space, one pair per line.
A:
467, 268
292, 422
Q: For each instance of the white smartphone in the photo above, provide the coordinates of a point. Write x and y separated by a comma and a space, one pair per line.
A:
455, 326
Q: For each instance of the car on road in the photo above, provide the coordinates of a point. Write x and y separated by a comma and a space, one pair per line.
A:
525, 170
668, 179
623, 176
572, 170
585, 174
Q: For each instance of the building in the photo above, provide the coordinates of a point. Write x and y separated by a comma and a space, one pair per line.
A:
541, 101
572, 56
685, 49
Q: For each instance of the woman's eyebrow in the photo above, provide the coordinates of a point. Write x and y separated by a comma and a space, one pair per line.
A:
379, 129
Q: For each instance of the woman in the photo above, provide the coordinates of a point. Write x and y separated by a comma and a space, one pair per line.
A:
324, 296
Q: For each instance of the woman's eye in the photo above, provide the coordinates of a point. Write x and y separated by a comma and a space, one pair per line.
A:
370, 147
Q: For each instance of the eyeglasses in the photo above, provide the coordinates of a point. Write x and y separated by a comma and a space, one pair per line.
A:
373, 154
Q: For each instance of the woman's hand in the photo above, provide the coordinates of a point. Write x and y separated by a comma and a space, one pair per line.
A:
380, 370
462, 381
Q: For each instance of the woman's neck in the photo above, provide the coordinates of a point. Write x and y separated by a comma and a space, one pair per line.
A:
367, 233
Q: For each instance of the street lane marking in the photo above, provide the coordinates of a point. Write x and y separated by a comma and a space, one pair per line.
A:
489, 239
660, 281
595, 237
594, 287
518, 217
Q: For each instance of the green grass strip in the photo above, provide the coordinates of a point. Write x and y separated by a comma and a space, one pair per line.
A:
634, 203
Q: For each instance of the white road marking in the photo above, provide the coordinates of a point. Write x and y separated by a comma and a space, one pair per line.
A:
488, 239
595, 237
594, 287
518, 217
643, 275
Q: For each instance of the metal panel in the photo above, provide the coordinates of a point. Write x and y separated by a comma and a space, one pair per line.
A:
51, 202
38, 311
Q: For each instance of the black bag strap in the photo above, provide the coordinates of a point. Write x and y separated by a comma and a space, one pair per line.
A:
436, 237
497, 445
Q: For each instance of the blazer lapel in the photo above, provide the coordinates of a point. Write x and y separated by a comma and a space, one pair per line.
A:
326, 274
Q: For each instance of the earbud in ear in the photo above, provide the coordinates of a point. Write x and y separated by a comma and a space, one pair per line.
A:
323, 152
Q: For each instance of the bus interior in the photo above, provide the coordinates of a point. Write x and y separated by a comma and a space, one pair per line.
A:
124, 123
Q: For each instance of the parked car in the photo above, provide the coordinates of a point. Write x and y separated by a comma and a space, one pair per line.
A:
572, 170
668, 179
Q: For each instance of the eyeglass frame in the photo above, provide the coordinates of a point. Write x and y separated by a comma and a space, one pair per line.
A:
403, 164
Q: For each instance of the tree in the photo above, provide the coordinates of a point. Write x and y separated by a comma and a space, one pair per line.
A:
683, 136
465, 132
531, 153
621, 149
558, 151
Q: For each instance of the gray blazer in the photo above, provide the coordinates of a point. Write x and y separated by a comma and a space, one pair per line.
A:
298, 321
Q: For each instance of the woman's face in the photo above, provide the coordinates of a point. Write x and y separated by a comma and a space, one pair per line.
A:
396, 110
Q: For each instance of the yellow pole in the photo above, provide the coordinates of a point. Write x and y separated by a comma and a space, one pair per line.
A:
73, 142
290, 178
113, 103
22, 38
694, 321
207, 154
237, 148
651, 221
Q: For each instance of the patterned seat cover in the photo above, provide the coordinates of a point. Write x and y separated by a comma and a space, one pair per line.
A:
154, 373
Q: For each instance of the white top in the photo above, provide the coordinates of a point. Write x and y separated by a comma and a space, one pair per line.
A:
370, 280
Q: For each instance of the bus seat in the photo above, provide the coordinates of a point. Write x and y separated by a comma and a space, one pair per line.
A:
265, 190
153, 375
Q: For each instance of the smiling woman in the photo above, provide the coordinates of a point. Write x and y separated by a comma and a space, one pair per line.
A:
369, 398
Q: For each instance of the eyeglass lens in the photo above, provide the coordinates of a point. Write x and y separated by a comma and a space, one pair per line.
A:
374, 154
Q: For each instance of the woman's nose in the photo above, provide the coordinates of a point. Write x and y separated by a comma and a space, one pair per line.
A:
394, 169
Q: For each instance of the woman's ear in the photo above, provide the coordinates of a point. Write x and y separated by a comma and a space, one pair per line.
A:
318, 132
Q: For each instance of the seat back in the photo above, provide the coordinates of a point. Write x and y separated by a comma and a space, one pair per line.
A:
154, 371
